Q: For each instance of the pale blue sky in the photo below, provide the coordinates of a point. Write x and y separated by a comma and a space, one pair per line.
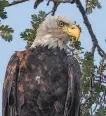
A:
19, 17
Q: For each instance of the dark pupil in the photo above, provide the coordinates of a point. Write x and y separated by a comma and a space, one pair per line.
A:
61, 23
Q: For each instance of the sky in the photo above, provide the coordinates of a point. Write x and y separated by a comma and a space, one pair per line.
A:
19, 18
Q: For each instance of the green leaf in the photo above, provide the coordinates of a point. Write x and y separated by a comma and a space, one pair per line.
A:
6, 28
6, 32
101, 111
92, 4
3, 13
7, 37
30, 34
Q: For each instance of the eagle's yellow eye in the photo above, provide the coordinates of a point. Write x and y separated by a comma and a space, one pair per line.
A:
60, 24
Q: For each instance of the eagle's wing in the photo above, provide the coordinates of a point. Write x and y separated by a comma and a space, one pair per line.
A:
73, 94
9, 87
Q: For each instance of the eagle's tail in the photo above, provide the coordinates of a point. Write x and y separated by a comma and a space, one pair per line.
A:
73, 93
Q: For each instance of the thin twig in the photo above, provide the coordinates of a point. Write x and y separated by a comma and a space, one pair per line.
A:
48, 2
56, 4
48, 13
16, 2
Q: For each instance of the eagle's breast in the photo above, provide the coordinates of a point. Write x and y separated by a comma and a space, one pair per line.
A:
44, 78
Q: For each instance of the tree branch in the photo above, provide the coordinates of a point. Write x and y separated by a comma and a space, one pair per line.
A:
93, 49
16, 2
88, 25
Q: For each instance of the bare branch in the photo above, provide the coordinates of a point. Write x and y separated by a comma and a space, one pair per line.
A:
48, 13
93, 49
67, 1
48, 2
16, 2
88, 25
56, 4
100, 51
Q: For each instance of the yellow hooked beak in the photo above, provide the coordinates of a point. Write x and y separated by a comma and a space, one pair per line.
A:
72, 30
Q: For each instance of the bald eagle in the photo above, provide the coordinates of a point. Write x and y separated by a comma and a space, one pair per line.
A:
44, 80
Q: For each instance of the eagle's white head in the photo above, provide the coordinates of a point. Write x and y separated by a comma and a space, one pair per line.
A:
55, 31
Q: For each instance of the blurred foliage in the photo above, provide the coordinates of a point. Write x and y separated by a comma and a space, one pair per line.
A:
92, 4
93, 95
5, 30
3, 13
93, 87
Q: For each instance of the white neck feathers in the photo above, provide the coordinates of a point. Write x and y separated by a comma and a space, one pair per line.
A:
50, 41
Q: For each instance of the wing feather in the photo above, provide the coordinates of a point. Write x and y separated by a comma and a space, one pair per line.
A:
73, 94
8, 96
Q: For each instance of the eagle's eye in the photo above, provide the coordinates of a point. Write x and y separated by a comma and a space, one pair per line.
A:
73, 28
60, 24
